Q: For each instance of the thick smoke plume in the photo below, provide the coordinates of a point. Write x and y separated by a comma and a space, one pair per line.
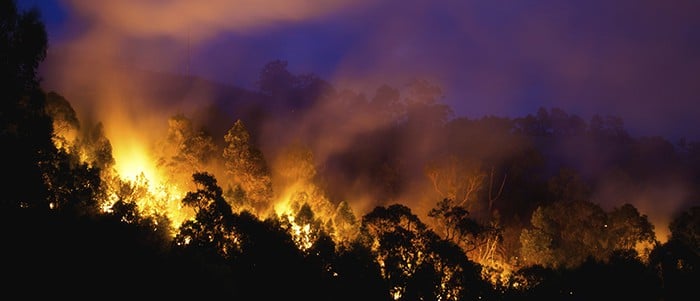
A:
118, 64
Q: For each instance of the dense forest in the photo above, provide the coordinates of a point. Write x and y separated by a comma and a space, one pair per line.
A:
303, 190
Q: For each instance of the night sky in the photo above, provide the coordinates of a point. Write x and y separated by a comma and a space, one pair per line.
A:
637, 59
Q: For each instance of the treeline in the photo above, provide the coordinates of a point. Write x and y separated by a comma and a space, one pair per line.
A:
513, 215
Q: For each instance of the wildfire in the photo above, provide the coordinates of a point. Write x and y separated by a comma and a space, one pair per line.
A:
135, 166
295, 207
132, 160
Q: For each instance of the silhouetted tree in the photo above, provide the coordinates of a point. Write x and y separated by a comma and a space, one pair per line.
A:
678, 260
212, 228
73, 186
25, 127
455, 224
270, 257
415, 262
356, 266
685, 228
623, 276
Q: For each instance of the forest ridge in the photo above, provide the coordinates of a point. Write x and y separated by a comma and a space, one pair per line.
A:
315, 191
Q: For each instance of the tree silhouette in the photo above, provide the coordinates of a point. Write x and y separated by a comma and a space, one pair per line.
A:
455, 224
25, 127
356, 266
212, 228
678, 260
72, 227
415, 262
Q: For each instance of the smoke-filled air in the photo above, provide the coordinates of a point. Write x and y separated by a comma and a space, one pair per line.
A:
351, 150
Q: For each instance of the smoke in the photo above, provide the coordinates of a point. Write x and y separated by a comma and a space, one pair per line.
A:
108, 41
660, 199
105, 64
489, 58
196, 22
633, 59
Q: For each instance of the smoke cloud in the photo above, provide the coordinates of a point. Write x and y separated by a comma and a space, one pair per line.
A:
635, 59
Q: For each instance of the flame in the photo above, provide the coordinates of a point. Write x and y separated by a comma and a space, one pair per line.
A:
283, 204
132, 160
302, 233
134, 163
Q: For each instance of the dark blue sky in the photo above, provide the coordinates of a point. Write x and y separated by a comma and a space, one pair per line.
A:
637, 59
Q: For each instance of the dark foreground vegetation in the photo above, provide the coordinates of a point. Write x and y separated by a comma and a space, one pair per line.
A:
512, 216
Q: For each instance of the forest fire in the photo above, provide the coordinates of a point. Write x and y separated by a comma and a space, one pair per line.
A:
207, 189
136, 178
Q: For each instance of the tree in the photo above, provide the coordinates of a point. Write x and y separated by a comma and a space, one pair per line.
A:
480, 242
23, 43
305, 228
25, 127
95, 147
212, 229
294, 182
565, 234
457, 179
345, 223
455, 224
677, 261
395, 234
621, 277
685, 228
186, 150
269, 255
357, 266
73, 186
247, 167
627, 229
414, 261
65, 120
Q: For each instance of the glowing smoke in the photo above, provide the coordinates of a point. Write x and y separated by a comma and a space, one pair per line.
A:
111, 40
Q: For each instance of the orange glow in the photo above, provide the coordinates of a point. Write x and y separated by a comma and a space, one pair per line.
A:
132, 160
287, 206
135, 165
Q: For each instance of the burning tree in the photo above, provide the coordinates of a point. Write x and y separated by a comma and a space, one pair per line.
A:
467, 188
247, 167
185, 150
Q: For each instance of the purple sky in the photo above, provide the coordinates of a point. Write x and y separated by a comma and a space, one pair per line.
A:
637, 59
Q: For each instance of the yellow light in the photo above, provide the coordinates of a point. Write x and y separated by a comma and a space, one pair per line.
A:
132, 160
